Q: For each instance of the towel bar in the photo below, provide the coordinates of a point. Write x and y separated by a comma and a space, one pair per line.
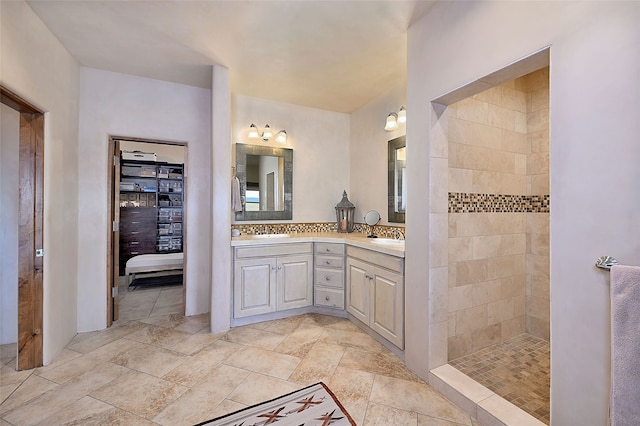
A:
606, 262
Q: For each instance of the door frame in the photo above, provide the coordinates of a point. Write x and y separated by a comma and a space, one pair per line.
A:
30, 230
113, 234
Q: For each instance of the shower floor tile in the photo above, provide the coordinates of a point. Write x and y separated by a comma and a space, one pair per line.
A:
518, 370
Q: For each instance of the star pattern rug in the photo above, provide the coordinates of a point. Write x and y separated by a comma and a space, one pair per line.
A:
314, 405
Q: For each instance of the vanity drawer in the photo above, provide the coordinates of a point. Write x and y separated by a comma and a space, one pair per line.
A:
259, 250
329, 277
329, 261
329, 297
329, 248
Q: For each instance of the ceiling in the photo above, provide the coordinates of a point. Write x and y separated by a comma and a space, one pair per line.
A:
336, 55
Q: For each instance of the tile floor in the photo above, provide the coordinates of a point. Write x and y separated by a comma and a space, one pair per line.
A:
155, 366
518, 370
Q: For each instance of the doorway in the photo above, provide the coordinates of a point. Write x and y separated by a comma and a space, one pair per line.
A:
147, 205
23, 281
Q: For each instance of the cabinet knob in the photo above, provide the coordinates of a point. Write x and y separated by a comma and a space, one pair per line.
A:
326, 298
279, 267
273, 267
328, 249
328, 262
328, 278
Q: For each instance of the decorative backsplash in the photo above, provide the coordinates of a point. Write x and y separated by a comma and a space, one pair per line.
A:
460, 202
383, 231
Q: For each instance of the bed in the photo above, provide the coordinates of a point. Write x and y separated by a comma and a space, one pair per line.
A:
169, 263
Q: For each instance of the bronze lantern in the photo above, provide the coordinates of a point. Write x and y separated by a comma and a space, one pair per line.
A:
345, 211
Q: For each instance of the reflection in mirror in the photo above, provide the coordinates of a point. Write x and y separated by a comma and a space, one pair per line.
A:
265, 183
265, 174
397, 183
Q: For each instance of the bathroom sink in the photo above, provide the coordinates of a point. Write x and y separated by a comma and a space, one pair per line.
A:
388, 242
265, 236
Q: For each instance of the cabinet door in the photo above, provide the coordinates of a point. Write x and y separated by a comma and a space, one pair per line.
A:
358, 289
387, 305
254, 290
295, 282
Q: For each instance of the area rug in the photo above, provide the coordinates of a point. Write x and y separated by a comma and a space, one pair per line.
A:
310, 406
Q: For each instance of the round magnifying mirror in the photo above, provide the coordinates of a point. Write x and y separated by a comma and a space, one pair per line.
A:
372, 218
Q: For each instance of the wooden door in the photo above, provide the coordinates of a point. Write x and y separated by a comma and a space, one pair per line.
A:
30, 230
358, 290
294, 282
113, 254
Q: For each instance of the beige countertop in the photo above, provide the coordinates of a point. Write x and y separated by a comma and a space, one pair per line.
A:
355, 239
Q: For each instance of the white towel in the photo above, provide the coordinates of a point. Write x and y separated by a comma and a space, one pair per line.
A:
624, 409
236, 202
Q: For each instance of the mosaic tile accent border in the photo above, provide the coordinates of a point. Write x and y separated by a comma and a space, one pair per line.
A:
462, 202
383, 231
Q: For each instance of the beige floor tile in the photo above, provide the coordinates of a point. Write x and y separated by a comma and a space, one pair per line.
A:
94, 341
352, 388
193, 344
198, 366
352, 339
252, 337
8, 352
32, 387
319, 364
57, 398
90, 411
434, 421
381, 415
226, 407
150, 359
160, 336
198, 403
140, 393
384, 363
416, 397
322, 320
300, 342
263, 361
257, 388
65, 356
176, 308
280, 326
194, 324
9, 375
7, 390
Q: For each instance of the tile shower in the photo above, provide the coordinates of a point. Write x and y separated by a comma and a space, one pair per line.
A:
498, 225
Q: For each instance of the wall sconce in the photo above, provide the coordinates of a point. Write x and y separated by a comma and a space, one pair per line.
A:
254, 133
395, 118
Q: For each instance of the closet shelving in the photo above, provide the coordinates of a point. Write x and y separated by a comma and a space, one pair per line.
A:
151, 208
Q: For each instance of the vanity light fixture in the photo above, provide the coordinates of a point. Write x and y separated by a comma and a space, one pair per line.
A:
396, 118
392, 122
402, 115
254, 133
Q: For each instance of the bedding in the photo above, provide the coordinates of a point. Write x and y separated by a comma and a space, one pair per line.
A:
153, 263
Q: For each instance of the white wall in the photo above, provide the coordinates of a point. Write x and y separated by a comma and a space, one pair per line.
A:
368, 153
320, 143
35, 66
594, 151
164, 153
9, 152
124, 105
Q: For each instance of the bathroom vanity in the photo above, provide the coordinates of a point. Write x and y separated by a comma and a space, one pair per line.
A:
346, 275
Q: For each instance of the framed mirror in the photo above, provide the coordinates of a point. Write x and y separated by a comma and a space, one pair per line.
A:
266, 182
397, 182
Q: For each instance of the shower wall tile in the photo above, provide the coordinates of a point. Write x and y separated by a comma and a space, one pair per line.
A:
500, 310
539, 99
471, 319
460, 180
470, 110
460, 249
538, 307
439, 294
501, 117
485, 136
539, 141
537, 286
538, 120
460, 298
486, 292
492, 96
486, 336
513, 141
513, 99
513, 327
472, 271
538, 163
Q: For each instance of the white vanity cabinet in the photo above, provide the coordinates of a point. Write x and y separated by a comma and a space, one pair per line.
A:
375, 292
329, 275
270, 278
